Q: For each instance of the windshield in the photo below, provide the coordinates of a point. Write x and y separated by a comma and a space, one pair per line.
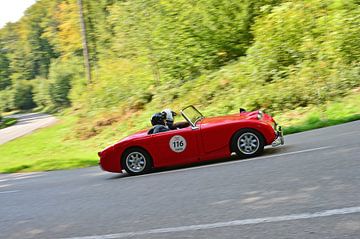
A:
192, 115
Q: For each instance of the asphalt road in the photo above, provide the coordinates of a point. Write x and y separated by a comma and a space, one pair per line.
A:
26, 124
308, 188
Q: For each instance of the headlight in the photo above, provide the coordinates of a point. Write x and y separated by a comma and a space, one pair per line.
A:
260, 115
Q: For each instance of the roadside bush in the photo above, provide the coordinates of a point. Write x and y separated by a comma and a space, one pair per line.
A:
59, 90
60, 77
118, 81
6, 100
309, 58
41, 93
6, 122
23, 96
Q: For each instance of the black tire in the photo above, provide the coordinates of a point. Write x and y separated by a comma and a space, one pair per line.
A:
136, 161
247, 143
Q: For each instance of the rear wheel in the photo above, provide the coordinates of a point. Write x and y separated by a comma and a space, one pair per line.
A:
247, 143
136, 161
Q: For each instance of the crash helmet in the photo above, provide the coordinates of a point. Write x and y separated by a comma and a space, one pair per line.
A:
169, 114
157, 119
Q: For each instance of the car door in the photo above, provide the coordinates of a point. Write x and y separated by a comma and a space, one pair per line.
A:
215, 140
175, 147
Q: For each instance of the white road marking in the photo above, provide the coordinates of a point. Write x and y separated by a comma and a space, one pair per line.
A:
326, 213
18, 177
237, 161
25, 177
12, 191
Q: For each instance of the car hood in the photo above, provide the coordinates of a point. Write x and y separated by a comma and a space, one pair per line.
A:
234, 117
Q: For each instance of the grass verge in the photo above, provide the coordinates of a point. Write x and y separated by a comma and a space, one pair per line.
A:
7, 122
332, 113
316, 122
47, 149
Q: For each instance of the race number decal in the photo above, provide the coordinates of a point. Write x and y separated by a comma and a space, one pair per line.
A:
177, 143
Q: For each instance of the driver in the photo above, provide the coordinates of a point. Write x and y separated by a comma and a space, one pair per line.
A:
158, 121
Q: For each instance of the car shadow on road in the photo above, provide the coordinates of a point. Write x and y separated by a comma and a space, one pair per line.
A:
267, 152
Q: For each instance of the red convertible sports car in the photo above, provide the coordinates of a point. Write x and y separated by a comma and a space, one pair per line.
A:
205, 139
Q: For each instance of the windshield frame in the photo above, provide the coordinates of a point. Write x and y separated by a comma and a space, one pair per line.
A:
186, 117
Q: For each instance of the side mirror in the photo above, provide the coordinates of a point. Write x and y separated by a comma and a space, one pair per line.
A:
242, 110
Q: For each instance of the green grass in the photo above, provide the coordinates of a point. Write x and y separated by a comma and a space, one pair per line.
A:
316, 122
7, 122
47, 149
340, 111
57, 147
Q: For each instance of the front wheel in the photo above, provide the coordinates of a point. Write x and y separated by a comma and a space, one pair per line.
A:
136, 161
247, 143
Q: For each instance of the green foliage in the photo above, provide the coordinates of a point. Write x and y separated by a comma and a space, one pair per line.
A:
316, 122
5, 80
181, 39
6, 122
23, 96
120, 81
314, 31
38, 49
6, 100
273, 54
41, 93
60, 85
304, 59
54, 92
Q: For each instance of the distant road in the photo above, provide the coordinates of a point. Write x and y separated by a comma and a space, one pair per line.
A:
308, 188
26, 124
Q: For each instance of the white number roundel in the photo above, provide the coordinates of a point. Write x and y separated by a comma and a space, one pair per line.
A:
177, 143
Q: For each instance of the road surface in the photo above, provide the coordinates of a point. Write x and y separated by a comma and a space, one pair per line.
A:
26, 124
308, 188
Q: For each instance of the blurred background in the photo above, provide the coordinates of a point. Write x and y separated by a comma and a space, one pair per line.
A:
103, 67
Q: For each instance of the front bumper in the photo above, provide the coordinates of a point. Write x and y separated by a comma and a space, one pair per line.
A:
279, 140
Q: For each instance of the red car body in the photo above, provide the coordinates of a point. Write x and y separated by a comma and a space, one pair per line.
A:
210, 139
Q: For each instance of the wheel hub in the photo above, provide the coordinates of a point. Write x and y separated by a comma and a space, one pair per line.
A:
136, 162
248, 143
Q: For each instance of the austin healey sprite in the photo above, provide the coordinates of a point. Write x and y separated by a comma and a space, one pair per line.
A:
204, 139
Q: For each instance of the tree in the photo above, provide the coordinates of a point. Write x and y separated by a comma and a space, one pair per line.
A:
23, 96
61, 75
5, 80
84, 42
